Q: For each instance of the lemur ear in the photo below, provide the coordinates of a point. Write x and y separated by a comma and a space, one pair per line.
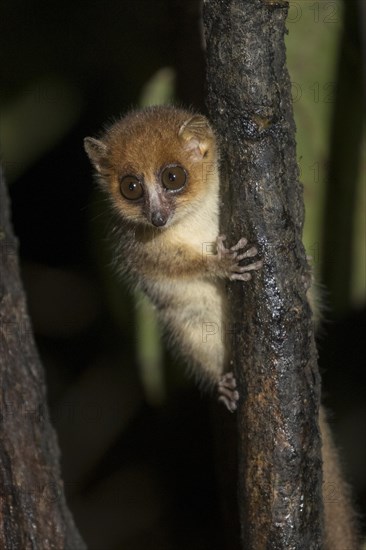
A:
197, 135
97, 152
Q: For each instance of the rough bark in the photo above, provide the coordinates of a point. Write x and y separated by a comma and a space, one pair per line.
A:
272, 337
33, 511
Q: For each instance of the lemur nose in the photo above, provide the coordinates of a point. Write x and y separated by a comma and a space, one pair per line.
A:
158, 219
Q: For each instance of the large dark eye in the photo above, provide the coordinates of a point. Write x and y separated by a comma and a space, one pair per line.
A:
131, 188
173, 177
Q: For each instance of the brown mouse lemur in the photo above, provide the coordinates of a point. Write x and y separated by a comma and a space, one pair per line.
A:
159, 168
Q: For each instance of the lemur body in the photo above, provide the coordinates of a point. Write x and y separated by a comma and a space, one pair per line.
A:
159, 167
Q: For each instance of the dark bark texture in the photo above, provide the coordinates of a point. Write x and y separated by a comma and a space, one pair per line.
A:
272, 337
33, 511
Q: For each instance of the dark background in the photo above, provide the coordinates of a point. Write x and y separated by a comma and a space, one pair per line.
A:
140, 456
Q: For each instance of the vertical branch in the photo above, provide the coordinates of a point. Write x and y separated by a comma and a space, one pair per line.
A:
274, 353
33, 511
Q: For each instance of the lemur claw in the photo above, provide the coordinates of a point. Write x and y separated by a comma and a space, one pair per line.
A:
228, 394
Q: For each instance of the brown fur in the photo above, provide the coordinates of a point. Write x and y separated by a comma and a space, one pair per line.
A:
177, 264
340, 524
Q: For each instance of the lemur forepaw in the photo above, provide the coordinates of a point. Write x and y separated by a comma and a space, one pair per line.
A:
228, 394
233, 256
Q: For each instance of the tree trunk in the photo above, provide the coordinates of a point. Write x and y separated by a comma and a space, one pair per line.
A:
274, 354
33, 511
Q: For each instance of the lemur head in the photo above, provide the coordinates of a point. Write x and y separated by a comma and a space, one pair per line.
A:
157, 164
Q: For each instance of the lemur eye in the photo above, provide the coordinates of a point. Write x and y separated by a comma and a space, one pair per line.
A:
173, 177
131, 188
